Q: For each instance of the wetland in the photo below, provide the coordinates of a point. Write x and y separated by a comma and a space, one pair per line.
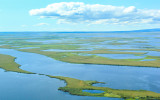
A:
64, 65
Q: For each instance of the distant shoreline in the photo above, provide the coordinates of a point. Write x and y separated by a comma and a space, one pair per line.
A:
143, 30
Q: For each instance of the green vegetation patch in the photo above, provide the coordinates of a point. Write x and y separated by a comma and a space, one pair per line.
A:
7, 63
102, 39
116, 43
75, 87
148, 49
108, 51
22, 44
61, 46
93, 59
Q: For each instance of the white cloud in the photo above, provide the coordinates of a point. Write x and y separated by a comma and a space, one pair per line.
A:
76, 12
41, 24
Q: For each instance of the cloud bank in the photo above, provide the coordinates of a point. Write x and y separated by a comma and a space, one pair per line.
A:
77, 12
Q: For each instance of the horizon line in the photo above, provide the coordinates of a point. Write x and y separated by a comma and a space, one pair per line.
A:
141, 30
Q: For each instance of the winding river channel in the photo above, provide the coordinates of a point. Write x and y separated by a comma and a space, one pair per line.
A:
19, 86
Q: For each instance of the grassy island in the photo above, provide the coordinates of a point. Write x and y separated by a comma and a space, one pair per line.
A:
7, 63
73, 57
75, 87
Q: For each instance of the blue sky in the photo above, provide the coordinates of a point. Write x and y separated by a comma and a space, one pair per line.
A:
20, 15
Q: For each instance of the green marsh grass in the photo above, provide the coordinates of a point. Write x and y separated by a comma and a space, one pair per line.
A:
8, 64
93, 59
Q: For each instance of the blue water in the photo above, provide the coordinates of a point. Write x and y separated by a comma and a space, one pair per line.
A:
117, 77
93, 91
120, 56
148, 60
18, 86
147, 52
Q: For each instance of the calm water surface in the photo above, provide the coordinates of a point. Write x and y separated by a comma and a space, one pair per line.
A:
18, 86
117, 77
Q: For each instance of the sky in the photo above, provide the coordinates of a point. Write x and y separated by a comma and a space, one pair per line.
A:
78, 15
